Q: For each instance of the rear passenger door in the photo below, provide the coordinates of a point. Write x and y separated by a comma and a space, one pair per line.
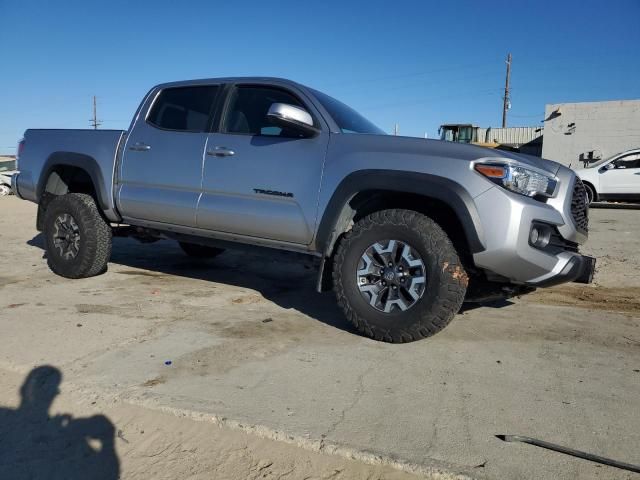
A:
161, 171
259, 180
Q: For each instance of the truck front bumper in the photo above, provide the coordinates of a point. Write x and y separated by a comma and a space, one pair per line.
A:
508, 218
579, 269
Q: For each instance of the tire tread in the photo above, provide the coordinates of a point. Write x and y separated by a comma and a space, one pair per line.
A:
96, 236
450, 295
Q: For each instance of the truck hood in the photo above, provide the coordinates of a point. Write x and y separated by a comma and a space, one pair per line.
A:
454, 151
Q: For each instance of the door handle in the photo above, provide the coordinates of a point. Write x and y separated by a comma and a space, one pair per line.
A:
221, 152
140, 147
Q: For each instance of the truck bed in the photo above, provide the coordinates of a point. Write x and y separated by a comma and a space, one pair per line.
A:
94, 150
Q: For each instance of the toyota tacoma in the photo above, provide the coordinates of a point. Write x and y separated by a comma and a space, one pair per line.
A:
403, 229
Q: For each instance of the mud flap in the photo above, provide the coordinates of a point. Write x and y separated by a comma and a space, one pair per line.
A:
588, 268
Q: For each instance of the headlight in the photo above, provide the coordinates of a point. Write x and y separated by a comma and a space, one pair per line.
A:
518, 178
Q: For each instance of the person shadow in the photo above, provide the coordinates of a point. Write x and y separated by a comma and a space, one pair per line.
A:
36, 445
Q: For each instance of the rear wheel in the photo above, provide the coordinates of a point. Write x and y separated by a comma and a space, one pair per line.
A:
78, 239
398, 277
200, 251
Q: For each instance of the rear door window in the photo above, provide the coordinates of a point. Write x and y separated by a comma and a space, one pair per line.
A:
184, 109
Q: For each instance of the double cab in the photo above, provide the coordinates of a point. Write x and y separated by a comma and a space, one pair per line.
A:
403, 229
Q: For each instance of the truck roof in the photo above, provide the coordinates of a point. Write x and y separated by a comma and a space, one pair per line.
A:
204, 81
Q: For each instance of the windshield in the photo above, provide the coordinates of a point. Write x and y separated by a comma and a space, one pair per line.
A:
7, 166
598, 163
457, 133
624, 160
348, 120
446, 135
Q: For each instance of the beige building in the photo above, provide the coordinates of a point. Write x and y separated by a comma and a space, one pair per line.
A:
575, 133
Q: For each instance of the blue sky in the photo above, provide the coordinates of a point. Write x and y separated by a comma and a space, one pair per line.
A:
415, 63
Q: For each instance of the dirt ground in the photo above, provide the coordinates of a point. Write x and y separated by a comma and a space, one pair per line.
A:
236, 368
151, 444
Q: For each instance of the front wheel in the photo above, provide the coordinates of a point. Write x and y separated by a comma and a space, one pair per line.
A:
398, 277
78, 239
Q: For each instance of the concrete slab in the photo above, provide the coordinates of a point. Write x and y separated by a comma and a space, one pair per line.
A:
253, 346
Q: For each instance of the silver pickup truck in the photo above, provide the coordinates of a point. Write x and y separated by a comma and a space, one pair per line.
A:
404, 229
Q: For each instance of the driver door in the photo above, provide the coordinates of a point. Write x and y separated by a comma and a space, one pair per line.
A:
258, 180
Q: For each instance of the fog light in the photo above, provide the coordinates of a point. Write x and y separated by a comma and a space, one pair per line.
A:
534, 236
540, 235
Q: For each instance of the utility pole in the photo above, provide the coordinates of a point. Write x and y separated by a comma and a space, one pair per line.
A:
94, 122
506, 105
396, 129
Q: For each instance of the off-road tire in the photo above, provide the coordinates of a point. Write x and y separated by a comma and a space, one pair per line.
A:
446, 279
95, 237
200, 251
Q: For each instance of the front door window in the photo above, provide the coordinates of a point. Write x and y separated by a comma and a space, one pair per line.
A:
248, 107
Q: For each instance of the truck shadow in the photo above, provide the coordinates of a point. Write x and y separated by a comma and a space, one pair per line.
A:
280, 279
277, 277
35, 444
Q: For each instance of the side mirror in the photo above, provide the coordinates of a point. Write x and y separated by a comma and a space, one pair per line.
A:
609, 166
293, 118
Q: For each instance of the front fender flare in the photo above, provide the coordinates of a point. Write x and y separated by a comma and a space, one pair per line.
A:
333, 224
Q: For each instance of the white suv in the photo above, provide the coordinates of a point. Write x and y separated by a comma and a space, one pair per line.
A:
616, 178
7, 169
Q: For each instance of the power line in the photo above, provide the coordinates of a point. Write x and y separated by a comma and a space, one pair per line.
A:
409, 75
418, 101
528, 116
429, 83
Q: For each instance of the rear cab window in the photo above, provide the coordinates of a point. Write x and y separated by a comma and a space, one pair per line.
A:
184, 109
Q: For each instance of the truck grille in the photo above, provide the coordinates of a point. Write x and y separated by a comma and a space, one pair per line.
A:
579, 207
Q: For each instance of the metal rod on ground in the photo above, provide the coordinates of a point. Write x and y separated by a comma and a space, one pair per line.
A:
570, 451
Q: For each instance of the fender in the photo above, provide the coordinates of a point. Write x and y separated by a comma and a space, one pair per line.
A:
338, 212
84, 162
